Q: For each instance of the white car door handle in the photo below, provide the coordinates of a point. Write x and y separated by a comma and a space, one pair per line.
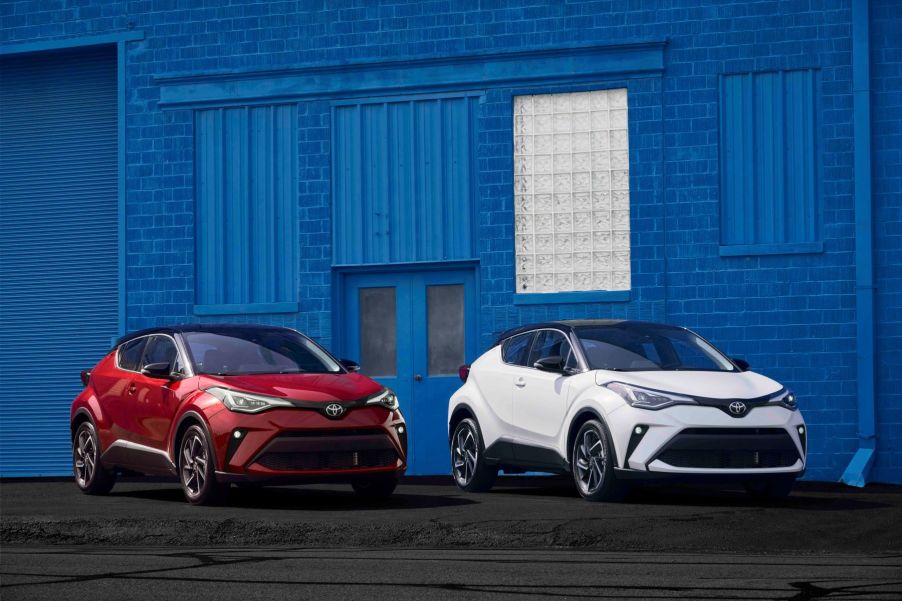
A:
520, 382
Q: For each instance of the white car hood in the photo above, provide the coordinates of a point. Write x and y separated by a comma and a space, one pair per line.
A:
711, 384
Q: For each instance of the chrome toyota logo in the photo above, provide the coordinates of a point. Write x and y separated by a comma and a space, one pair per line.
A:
334, 410
737, 407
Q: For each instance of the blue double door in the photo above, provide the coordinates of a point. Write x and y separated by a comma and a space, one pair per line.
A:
411, 331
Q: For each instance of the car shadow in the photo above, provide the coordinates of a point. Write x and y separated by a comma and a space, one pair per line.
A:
307, 498
809, 496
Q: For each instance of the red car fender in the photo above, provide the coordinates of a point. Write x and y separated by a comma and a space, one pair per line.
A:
86, 404
197, 406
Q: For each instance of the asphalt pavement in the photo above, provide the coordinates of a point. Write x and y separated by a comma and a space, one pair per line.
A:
415, 574
527, 538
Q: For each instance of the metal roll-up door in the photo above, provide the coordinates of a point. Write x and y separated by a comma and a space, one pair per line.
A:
59, 290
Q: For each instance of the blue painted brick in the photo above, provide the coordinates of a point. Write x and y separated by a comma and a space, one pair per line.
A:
792, 316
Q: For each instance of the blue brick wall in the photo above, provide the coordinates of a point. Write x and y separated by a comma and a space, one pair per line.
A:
886, 94
791, 316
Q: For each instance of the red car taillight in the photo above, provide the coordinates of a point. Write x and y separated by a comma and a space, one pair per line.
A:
464, 372
85, 377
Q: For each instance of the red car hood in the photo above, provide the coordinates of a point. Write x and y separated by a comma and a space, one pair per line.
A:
302, 387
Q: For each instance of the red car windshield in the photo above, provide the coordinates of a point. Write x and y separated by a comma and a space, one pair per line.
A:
247, 352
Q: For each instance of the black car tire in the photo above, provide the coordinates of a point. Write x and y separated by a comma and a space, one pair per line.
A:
475, 475
379, 486
197, 469
770, 489
90, 475
595, 482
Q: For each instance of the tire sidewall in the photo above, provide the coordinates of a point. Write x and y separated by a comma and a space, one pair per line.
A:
608, 486
480, 478
206, 493
92, 432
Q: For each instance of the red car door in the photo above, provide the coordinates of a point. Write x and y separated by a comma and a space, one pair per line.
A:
153, 399
113, 380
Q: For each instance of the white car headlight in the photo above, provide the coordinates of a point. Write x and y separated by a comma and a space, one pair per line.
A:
244, 402
785, 399
386, 398
645, 398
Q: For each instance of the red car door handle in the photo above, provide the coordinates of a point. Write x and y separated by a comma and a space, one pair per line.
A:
132, 389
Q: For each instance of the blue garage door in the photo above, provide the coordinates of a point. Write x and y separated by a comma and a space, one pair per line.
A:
58, 245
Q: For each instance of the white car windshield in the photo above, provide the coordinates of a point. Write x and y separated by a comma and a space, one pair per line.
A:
649, 347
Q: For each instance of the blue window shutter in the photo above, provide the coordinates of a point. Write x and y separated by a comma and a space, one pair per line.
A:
769, 160
403, 185
246, 192
59, 253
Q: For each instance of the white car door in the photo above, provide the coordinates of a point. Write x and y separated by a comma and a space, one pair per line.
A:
540, 397
495, 379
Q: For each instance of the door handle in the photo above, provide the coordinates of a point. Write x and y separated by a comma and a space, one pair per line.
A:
132, 389
418, 378
520, 382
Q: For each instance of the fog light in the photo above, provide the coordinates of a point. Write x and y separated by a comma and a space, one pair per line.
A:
400, 429
237, 434
801, 430
638, 430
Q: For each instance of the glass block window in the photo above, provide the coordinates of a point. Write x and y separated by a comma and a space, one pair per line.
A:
571, 192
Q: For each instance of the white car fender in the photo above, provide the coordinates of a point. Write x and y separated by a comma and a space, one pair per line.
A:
586, 395
472, 398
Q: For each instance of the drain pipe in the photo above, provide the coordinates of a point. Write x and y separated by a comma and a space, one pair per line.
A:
857, 471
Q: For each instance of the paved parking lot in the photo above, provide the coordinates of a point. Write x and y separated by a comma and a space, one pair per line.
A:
529, 537
223, 573
518, 513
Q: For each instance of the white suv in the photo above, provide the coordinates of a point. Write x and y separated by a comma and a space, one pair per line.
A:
610, 401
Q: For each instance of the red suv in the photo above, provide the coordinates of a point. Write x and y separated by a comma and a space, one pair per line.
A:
214, 405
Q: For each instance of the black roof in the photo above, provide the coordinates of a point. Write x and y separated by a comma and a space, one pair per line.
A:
568, 325
222, 328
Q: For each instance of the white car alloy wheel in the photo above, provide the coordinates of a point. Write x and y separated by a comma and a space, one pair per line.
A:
465, 453
471, 471
589, 460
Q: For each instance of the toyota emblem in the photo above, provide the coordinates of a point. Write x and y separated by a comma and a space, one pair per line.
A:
737, 408
334, 410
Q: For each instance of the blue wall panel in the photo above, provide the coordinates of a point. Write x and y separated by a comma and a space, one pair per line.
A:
246, 166
768, 158
58, 246
791, 315
404, 181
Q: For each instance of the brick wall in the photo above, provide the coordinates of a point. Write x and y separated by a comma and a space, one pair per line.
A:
886, 106
791, 316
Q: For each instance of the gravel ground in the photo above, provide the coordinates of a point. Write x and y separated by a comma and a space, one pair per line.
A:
519, 513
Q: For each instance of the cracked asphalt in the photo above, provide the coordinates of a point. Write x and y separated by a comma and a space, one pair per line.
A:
528, 537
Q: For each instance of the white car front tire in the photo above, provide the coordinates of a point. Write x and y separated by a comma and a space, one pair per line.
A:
592, 461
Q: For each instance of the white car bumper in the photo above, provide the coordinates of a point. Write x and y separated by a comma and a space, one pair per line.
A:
692, 440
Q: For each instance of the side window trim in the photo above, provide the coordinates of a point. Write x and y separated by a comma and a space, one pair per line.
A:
122, 346
179, 357
580, 358
504, 345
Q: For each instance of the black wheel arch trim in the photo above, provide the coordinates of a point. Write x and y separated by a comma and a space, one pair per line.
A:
81, 411
462, 407
596, 415
195, 417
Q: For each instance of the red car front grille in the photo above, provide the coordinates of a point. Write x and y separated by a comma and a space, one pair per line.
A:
328, 460
301, 451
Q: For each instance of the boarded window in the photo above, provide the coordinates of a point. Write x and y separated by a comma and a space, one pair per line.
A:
768, 159
404, 180
246, 192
